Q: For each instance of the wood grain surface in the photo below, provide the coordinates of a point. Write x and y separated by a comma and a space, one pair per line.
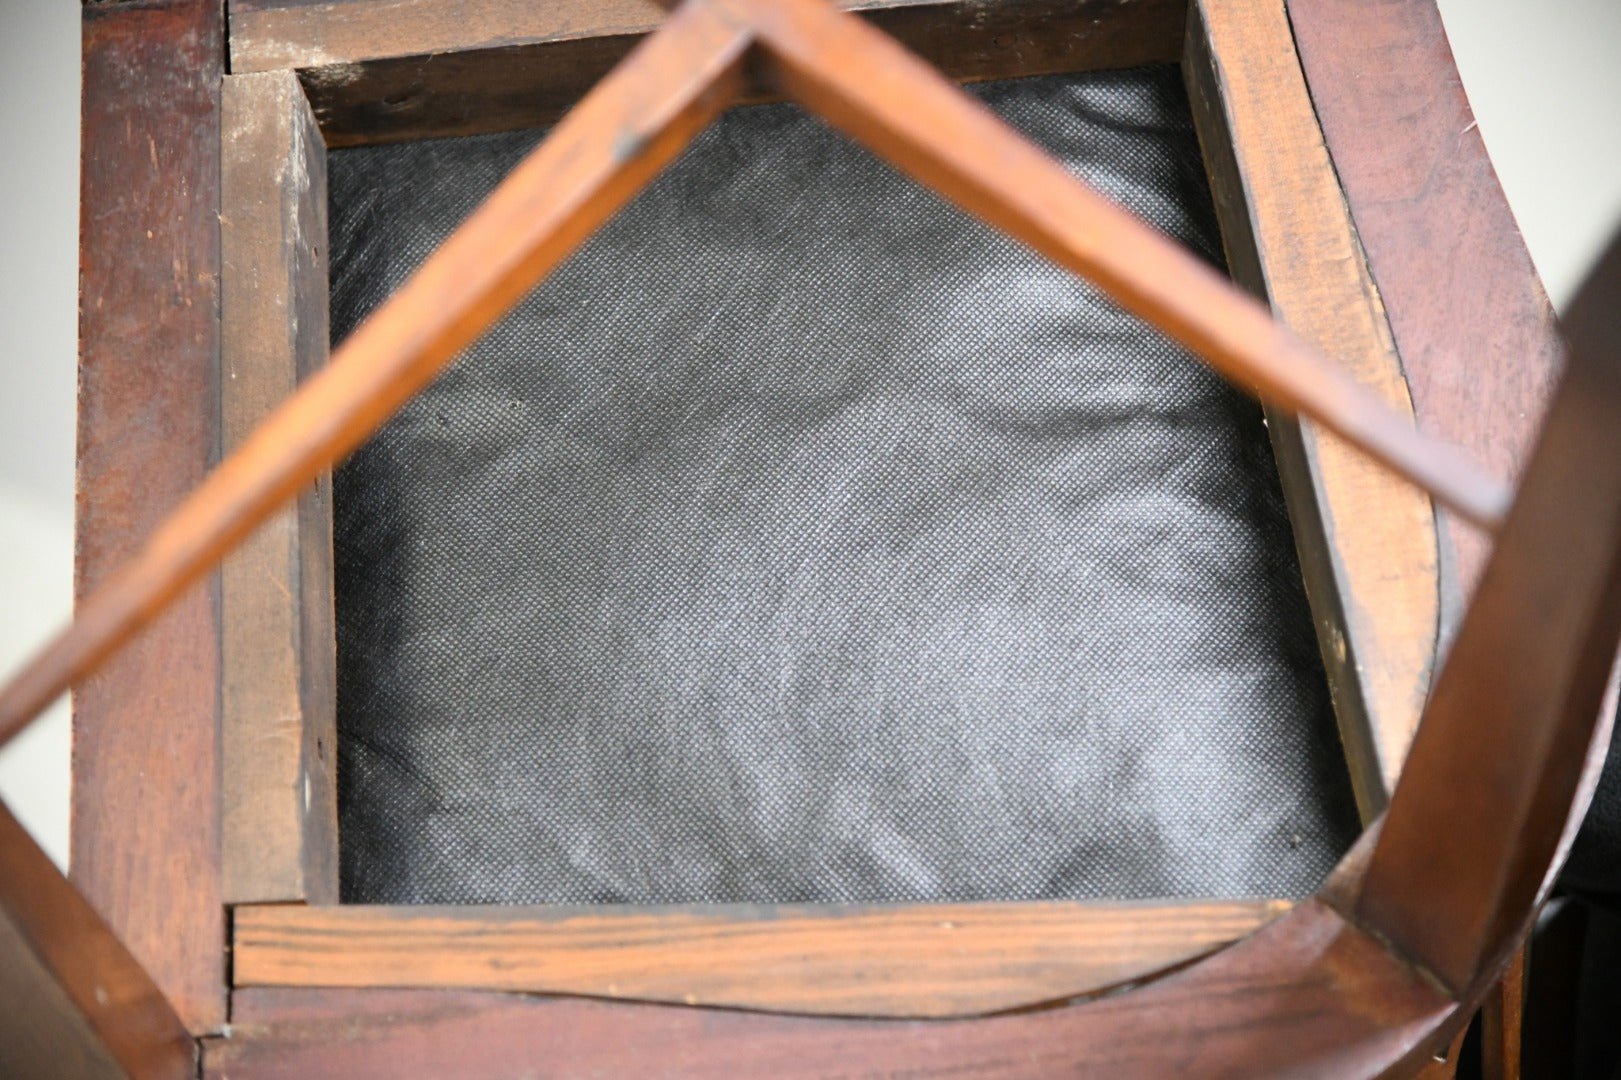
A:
1309, 995
1477, 337
1311, 992
1501, 1022
1368, 544
631, 126
145, 828
621, 135
279, 695
921, 960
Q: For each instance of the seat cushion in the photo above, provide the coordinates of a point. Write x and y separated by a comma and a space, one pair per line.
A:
802, 539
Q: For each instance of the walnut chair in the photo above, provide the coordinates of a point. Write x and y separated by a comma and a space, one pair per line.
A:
202, 929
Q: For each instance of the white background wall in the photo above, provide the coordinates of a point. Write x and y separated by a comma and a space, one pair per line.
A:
1543, 79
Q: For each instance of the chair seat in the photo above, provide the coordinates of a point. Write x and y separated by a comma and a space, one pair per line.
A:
802, 539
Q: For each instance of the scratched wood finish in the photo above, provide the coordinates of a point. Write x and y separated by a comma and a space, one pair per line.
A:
75, 1002
1367, 542
411, 69
1465, 849
1477, 336
917, 960
278, 704
1308, 995
1444, 1065
145, 829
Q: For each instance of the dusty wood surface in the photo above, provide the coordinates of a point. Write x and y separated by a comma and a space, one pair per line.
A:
1367, 542
279, 693
906, 960
1308, 995
382, 71
145, 836
1476, 334
1465, 849
75, 1002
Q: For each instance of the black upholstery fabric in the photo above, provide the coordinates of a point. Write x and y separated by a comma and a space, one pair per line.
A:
802, 539
1591, 324
1594, 868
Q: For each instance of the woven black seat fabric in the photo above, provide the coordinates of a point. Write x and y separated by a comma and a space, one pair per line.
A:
804, 540
1594, 868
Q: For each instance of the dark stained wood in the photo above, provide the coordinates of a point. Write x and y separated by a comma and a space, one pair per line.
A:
1343, 885
75, 1002
1475, 824
918, 960
420, 68
145, 836
1367, 542
1309, 995
881, 95
278, 706
1500, 1022
1476, 334
619, 137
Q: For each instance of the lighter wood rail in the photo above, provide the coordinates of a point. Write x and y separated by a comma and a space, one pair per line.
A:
911, 960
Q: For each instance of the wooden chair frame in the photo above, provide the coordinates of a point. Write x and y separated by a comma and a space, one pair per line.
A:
1377, 972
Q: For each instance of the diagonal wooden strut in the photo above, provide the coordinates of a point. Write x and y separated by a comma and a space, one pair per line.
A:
631, 125
628, 128
903, 110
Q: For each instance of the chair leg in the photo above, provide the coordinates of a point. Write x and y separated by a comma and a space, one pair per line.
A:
1500, 1018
